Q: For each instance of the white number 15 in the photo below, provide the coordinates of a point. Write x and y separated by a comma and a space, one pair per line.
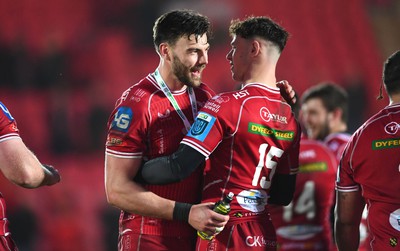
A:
266, 160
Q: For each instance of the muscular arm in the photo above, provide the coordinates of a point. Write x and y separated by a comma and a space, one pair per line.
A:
172, 168
124, 193
348, 213
282, 189
20, 165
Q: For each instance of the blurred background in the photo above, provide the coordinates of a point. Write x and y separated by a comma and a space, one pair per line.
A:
64, 63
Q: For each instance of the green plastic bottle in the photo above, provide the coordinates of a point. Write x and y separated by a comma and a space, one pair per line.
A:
223, 207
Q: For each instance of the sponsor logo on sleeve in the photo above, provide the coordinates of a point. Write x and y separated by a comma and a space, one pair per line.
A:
6, 111
202, 126
114, 141
270, 132
122, 119
385, 143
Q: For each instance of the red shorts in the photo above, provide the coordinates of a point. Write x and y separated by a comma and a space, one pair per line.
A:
249, 235
145, 242
7, 243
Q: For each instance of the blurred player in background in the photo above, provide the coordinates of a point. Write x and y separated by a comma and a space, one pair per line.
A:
304, 224
324, 114
251, 138
369, 172
20, 166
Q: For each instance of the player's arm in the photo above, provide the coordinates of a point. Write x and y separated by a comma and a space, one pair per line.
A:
21, 166
348, 213
172, 168
124, 193
282, 189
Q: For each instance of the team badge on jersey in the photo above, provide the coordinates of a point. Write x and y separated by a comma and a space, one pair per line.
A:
6, 112
122, 119
392, 128
201, 126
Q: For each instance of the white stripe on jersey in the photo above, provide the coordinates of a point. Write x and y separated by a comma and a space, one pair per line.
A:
123, 154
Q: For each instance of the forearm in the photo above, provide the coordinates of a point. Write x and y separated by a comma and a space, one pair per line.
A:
20, 165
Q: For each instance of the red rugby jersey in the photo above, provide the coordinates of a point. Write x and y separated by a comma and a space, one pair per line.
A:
371, 162
145, 125
248, 135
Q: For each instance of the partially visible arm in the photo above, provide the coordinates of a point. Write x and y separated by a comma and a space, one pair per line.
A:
348, 213
124, 193
20, 165
172, 168
282, 189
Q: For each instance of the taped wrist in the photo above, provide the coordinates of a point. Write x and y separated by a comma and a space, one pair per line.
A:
181, 211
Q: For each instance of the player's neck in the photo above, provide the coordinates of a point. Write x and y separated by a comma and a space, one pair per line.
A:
394, 99
170, 79
263, 74
268, 81
339, 128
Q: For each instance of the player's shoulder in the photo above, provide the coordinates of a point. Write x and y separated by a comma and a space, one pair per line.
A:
313, 151
316, 145
5, 115
137, 95
204, 89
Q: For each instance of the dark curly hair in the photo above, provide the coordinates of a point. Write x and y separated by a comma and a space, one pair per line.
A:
260, 26
171, 26
391, 73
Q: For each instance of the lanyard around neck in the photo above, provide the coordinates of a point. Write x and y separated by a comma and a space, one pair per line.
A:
168, 94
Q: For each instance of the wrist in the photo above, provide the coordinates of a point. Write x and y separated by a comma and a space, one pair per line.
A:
181, 211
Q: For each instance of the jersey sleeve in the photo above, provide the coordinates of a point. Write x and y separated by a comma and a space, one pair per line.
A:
207, 131
344, 180
126, 128
289, 163
8, 125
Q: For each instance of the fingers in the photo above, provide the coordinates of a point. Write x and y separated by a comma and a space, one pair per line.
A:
287, 92
203, 218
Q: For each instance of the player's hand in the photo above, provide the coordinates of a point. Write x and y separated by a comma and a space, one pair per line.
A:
287, 92
203, 218
51, 175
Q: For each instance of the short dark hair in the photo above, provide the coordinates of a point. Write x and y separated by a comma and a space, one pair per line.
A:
175, 24
332, 95
391, 73
260, 26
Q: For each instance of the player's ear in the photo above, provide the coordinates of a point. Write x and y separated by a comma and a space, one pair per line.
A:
165, 51
255, 47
